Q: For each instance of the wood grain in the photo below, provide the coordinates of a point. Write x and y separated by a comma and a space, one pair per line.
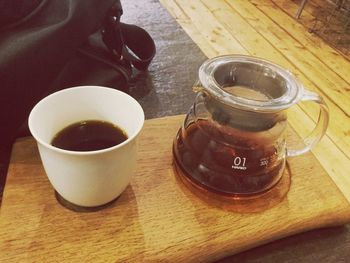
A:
337, 61
158, 218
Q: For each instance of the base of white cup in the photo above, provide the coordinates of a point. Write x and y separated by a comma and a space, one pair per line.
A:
77, 208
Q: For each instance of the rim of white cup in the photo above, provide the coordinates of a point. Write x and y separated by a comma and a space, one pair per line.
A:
48, 145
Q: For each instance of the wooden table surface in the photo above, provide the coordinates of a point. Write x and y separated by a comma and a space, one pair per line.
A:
261, 28
157, 218
267, 29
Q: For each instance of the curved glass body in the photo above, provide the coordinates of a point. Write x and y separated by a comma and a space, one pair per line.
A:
233, 141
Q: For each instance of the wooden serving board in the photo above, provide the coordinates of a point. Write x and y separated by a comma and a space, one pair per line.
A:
157, 218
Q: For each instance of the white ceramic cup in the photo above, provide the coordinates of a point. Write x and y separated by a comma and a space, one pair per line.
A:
89, 178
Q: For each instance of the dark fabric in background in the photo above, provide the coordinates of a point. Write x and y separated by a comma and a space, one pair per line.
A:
34, 52
164, 90
11, 11
32, 58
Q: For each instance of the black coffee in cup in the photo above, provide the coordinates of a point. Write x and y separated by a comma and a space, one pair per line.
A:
89, 135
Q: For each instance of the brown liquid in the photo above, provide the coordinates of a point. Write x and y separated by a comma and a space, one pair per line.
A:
245, 166
89, 135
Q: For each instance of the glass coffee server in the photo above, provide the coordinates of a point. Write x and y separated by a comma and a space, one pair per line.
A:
233, 142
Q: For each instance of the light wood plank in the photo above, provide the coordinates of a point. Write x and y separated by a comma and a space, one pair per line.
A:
332, 158
182, 18
328, 83
339, 128
211, 29
335, 61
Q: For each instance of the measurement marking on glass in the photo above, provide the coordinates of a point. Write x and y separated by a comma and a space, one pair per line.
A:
264, 162
239, 163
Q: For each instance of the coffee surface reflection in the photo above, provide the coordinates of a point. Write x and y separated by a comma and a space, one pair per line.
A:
89, 135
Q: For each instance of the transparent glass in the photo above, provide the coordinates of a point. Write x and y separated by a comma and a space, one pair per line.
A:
232, 141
